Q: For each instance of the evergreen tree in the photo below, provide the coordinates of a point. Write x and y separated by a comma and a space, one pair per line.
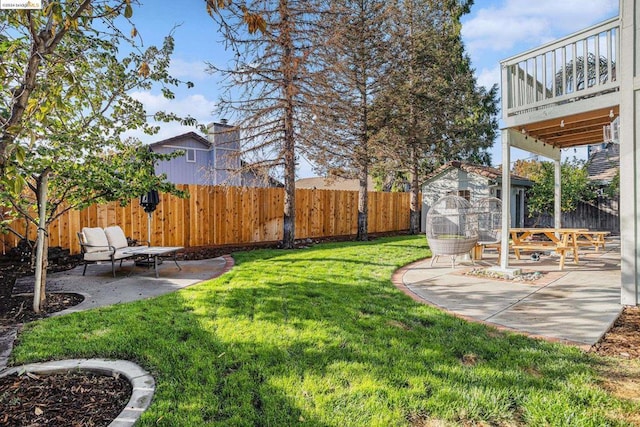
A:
264, 88
432, 110
353, 60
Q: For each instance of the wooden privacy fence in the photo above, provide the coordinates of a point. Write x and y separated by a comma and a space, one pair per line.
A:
601, 215
215, 216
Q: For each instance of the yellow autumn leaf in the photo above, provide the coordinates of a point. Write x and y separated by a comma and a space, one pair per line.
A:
31, 105
47, 10
134, 32
144, 70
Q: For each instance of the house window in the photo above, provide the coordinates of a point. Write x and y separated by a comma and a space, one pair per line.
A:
191, 155
499, 193
465, 194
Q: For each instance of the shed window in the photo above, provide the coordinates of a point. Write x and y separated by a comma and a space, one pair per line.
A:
191, 155
465, 194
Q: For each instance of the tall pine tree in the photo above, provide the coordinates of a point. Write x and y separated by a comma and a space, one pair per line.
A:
264, 88
432, 110
353, 64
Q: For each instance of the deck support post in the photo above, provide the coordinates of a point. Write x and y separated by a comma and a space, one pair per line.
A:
557, 193
506, 199
629, 152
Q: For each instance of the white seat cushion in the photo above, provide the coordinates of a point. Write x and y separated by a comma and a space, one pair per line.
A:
105, 255
96, 238
116, 237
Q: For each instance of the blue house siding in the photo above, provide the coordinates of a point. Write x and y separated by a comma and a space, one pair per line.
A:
217, 159
179, 170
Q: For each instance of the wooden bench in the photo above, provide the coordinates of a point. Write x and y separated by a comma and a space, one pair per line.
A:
592, 238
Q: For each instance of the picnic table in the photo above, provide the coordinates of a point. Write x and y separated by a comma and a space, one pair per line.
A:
560, 240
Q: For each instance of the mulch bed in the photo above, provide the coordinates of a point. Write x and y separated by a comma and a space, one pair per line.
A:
19, 308
623, 339
71, 399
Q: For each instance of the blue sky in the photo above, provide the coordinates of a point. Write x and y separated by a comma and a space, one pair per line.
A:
493, 31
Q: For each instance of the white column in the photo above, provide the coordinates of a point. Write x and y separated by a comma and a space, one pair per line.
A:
629, 177
557, 193
506, 199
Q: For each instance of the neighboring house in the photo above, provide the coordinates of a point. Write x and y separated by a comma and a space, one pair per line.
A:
473, 182
214, 160
332, 183
603, 163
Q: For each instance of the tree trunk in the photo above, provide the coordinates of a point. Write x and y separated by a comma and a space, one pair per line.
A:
39, 293
415, 203
363, 206
289, 210
288, 62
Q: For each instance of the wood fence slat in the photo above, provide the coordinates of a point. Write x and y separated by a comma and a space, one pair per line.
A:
217, 215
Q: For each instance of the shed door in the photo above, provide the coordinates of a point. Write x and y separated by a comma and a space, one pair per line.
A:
518, 209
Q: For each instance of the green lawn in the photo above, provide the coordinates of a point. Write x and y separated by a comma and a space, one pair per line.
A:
320, 337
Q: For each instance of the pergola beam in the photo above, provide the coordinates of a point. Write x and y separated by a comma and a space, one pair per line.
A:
524, 142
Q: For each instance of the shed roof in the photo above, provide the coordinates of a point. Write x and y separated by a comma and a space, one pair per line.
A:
488, 172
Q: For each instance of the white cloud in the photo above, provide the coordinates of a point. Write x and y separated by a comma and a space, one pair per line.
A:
504, 25
488, 77
188, 70
196, 106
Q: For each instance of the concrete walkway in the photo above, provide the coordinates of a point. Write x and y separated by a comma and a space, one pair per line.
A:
100, 288
576, 305
131, 283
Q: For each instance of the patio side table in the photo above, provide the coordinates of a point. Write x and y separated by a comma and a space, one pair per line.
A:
156, 252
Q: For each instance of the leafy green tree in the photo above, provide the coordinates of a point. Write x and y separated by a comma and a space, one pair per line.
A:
613, 189
576, 187
526, 168
432, 110
65, 80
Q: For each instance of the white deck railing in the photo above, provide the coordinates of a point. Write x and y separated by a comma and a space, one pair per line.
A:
578, 66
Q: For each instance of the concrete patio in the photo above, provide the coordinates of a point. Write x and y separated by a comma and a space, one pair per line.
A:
576, 305
131, 283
